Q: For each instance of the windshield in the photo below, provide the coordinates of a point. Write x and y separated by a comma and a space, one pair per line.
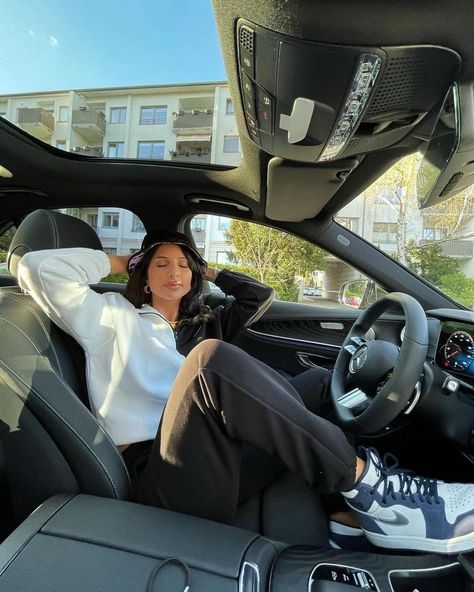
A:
119, 80
436, 243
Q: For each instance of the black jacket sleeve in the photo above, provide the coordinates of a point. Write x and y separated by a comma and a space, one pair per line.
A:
251, 300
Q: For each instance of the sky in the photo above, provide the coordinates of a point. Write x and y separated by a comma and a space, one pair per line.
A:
78, 44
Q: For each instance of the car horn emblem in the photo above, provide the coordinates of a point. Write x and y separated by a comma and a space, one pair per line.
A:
358, 360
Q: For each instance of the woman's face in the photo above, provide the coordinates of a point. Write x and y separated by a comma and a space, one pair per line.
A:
169, 275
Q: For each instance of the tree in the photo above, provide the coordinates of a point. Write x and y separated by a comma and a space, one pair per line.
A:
450, 219
430, 263
277, 258
5, 240
397, 189
443, 272
453, 217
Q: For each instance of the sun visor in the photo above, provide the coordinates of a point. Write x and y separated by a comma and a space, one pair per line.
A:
314, 102
296, 191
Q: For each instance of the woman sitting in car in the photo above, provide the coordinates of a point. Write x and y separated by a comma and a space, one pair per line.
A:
182, 421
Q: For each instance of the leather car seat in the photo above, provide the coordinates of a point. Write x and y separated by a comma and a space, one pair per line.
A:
50, 442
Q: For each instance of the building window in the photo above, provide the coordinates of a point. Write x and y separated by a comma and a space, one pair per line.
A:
434, 234
351, 224
110, 219
118, 115
198, 224
223, 223
115, 149
229, 107
63, 114
3, 114
153, 115
92, 219
61, 144
231, 143
222, 257
155, 150
384, 232
137, 225
110, 250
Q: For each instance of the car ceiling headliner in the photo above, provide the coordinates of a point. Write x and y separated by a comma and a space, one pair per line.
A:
69, 179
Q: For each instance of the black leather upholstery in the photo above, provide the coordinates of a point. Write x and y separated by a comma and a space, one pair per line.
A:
45, 229
49, 440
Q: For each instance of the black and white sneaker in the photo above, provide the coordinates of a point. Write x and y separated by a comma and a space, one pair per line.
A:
398, 510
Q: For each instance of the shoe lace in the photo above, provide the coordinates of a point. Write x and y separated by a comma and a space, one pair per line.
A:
404, 482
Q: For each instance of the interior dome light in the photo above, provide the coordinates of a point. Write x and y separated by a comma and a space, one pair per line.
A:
363, 82
5, 172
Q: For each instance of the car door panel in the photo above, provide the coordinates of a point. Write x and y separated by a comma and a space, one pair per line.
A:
293, 337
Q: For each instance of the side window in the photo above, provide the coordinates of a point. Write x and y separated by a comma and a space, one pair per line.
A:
5, 240
120, 231
297, 270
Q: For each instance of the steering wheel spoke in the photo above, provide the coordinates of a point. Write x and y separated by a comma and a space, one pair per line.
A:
353, 398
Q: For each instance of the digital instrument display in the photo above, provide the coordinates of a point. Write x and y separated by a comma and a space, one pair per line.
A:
456, 348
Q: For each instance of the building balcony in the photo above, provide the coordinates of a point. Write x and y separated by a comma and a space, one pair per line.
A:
95, 151
36, 121
186, 156
458, 249
194, 121
89, 123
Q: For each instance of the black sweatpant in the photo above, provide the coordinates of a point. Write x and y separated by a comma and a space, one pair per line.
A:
222, 400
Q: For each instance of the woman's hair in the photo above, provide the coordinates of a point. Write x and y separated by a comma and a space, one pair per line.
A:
191, 308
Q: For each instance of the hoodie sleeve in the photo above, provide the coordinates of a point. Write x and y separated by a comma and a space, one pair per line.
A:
251, 300
58, 280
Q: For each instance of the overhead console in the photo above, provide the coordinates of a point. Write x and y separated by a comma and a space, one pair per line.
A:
315, 102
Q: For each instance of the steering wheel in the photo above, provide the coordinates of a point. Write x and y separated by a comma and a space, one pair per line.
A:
382, 375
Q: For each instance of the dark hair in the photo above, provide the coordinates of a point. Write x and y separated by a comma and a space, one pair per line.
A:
191, 307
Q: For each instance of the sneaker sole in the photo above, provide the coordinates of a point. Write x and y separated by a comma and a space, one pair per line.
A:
456, 545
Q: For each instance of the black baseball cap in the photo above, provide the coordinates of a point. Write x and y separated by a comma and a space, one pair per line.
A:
162, 236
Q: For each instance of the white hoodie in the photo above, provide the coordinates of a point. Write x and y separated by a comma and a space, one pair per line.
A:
131, 356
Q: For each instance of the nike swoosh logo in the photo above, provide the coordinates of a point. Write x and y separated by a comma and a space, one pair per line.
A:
397, 520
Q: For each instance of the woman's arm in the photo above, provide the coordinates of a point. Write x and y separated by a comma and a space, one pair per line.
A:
58, 281
118, 263
251, 300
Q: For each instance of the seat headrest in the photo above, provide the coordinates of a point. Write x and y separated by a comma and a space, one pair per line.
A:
44, 229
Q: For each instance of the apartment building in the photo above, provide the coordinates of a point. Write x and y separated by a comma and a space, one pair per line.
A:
187, 122
192, 123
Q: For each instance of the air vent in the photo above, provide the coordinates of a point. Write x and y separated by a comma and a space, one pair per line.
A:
246, 38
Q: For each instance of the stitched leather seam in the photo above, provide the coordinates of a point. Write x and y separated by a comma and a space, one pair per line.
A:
41, 324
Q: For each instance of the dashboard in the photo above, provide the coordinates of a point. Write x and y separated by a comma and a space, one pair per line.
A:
455, 351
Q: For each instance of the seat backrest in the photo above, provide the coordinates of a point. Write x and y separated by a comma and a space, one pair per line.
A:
49, 440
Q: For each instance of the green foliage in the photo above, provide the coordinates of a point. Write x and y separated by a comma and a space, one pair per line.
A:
443, 272
276, 257
3, 256
459, 287
116, 278
430, 263
6, 239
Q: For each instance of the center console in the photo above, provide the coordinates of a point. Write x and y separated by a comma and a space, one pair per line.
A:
85, 543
